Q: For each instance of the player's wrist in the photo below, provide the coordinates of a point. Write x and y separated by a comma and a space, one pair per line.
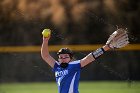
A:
97, 53
45, 39
45, 43
106, 47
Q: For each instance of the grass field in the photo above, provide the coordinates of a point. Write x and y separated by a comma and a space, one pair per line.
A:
84, 87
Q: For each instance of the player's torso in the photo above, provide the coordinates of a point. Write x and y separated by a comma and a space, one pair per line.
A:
68, 78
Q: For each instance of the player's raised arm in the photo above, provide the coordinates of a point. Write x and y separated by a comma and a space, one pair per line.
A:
44, 48
118, 39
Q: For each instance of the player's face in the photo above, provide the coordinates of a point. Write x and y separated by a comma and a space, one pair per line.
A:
64, 58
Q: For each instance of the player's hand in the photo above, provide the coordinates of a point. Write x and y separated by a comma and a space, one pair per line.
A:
118, 39
46, 33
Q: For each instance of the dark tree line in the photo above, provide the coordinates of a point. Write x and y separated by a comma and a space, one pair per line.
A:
79, 21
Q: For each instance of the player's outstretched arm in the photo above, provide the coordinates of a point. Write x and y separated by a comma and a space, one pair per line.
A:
45, 52
118, 39
94, 55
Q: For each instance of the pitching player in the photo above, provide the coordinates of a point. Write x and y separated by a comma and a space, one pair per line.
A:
67, 71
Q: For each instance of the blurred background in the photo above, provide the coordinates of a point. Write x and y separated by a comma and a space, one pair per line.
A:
75, 23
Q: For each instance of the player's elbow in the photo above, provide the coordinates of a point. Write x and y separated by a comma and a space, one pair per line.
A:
44, 55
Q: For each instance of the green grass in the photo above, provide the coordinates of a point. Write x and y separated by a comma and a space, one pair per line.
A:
84, 87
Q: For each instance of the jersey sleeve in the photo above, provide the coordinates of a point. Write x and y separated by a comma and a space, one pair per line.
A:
55, 66
76, 64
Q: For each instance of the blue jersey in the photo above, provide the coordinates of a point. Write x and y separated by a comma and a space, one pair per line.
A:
68, 78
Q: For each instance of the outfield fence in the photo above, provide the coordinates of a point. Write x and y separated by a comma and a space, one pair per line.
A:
54, 48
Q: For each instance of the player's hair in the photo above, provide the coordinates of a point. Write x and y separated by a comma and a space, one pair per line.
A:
65, 51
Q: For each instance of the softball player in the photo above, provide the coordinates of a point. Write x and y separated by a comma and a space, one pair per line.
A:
67, 71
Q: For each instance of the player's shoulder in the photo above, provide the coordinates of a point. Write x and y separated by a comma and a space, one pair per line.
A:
75, 62
56, 64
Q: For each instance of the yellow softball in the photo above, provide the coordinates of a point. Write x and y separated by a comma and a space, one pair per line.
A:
46, 32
